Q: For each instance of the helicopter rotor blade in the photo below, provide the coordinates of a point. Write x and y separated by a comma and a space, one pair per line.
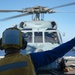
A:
62, 12
69, 4
39, 9
25, 14
12, 11
65, 12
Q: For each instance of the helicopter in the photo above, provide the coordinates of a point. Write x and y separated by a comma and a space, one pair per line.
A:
41, 35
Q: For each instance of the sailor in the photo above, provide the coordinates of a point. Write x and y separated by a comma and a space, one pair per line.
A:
14, 63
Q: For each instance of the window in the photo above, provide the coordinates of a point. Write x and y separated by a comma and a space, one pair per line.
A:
28, 36
38, 37
51, 37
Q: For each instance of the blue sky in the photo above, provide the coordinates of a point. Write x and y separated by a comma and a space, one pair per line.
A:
65, 21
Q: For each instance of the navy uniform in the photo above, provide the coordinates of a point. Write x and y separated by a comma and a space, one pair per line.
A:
17, 64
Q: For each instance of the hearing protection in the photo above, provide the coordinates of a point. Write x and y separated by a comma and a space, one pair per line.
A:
1, 48
12, 38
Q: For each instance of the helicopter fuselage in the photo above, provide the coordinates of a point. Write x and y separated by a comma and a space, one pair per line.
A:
41, 36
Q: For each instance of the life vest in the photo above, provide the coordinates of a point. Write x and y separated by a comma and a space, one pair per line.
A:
16, 64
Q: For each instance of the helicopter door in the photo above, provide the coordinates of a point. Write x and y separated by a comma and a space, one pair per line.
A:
38, 37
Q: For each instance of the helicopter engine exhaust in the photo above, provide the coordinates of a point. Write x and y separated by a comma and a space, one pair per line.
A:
54, 25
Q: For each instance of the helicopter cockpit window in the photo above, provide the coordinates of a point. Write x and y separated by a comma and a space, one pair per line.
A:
38, 37
51, 37
28, 36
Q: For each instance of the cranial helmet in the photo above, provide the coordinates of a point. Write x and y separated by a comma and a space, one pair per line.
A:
12, 38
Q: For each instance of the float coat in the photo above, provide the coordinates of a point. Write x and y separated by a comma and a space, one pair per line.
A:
16, 64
